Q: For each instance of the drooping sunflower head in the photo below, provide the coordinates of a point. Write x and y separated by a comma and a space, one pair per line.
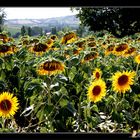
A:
91, 44
68, 38
80, 43
50, 67
130, 52
120, 49
39, 49
97, 73
7, 49
90, 56
34, 41
121, 81
96, 91
53, 37
104, 44
25, 40
109, 49
49, 42
4, 37
100, 40
8, 105
91, 38
137, 58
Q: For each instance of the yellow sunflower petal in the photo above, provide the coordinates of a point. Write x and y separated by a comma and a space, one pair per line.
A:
121, 81
96, 91
8, 105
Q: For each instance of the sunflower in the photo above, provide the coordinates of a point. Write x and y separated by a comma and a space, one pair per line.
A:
80, 44
96, 91
137, 58
130, 52
120, 49
53, 37
90, 56
109, 49
68, 38
49, 42
39, 49
100, 41
97, 73
104, 45
76, 51
91, 38
91, 44
34, 41
7, 49
8, 105
121, 81
4, 38
50, 67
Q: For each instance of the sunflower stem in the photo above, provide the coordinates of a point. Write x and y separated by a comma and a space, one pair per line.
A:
49, 96
79, 110
49, 81
88, 115
4, 124
136, 78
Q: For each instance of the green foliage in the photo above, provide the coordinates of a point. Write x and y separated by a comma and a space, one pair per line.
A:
23, 31
2, 18
59, 102
119, 21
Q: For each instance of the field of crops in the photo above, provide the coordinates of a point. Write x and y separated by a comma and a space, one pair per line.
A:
70, 84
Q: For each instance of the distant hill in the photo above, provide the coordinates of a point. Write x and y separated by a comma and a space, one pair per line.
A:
14, 25
66, 20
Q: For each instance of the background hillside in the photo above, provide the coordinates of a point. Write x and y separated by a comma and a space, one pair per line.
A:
59, 23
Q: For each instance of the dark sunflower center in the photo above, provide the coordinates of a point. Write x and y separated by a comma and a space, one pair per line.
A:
97, 75
132, 50
123, 80
121, 48
4, 48
51, 66
40, 48
96, 90
80, 45
90, 56
5, 105
53, 37
92, 44
70, 36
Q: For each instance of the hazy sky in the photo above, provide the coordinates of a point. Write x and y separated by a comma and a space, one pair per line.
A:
37, 12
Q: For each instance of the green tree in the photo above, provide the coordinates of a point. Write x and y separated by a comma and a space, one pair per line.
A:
118, 21
23, 31
53, 30
37, 30
2, 18
29, 30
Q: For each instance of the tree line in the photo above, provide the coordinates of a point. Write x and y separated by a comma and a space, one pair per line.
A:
118, 21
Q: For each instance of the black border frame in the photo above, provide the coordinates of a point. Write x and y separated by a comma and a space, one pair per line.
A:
65, 136
68, 135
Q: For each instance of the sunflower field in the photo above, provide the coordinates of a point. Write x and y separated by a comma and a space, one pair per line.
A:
69, 83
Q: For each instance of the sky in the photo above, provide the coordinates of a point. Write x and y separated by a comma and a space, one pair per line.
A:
37, 13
